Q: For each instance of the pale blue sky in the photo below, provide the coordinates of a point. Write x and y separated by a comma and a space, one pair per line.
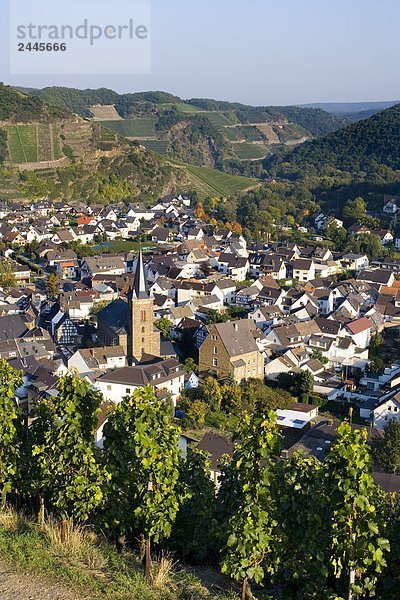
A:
257, 51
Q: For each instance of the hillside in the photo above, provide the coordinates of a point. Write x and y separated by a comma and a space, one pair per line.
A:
231, 137
48, 151
358, 147
353, 111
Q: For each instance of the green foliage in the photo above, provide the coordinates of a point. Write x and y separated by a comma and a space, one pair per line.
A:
7, 275
164, 325
195, 529
96, 308
354, 211
358, 546
64, 451
53, 285
356, 147
190, 366
299, 384
303, 533
249, 525
211, 393
142, 455
387, 451
10, 430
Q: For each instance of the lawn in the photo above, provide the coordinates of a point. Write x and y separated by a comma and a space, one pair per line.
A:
140, 127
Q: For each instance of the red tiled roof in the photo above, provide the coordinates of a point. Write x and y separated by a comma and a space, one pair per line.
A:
359, 325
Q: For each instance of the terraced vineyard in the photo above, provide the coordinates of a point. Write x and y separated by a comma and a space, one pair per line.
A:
247, 151
181, 107
130, 128
222, 119
159, 146
210, 182
33, 143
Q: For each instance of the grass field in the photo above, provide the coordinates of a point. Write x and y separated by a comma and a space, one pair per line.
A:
159, 146
141, 127
247, 151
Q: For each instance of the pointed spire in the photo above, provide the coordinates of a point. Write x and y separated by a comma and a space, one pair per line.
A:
140, 290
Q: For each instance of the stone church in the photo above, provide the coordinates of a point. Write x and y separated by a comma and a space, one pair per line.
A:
130, 323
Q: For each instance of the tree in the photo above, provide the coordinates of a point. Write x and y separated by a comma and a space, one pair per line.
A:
250, 523
317, 355
96, 308
64, 451
142, 455
354, 210
196, 414
387, 452
164, 325
7, 275
53, 285
194, 531
211, 393
190, 366
358, 545
10, 429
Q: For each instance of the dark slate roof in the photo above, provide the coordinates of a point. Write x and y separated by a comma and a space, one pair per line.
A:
114, 315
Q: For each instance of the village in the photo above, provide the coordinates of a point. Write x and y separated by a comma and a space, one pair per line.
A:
195, 301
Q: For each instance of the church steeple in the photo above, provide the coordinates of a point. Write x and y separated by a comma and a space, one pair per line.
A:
140, 290
142, 337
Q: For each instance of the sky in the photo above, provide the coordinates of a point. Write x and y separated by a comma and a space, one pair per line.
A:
259, 52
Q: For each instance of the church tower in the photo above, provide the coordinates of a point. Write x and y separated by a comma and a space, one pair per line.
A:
142, 337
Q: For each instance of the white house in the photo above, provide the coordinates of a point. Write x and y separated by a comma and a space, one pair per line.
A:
165, 377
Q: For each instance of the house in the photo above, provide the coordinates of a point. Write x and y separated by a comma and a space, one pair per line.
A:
391, 204
216, 447
386, 409
384, 235
355, 262
97, 359
232, 265
101, 265
377, 277
303, 269
166, 377
231, 349
360, 332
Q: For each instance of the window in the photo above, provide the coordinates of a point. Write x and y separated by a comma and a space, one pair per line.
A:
128, 391
389, 408
143, 329
215, 362
143, 340
214, 338
109, 388
143, 315
215, 350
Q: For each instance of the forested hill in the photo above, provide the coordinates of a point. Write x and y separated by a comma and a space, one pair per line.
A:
316, 122
358, 147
